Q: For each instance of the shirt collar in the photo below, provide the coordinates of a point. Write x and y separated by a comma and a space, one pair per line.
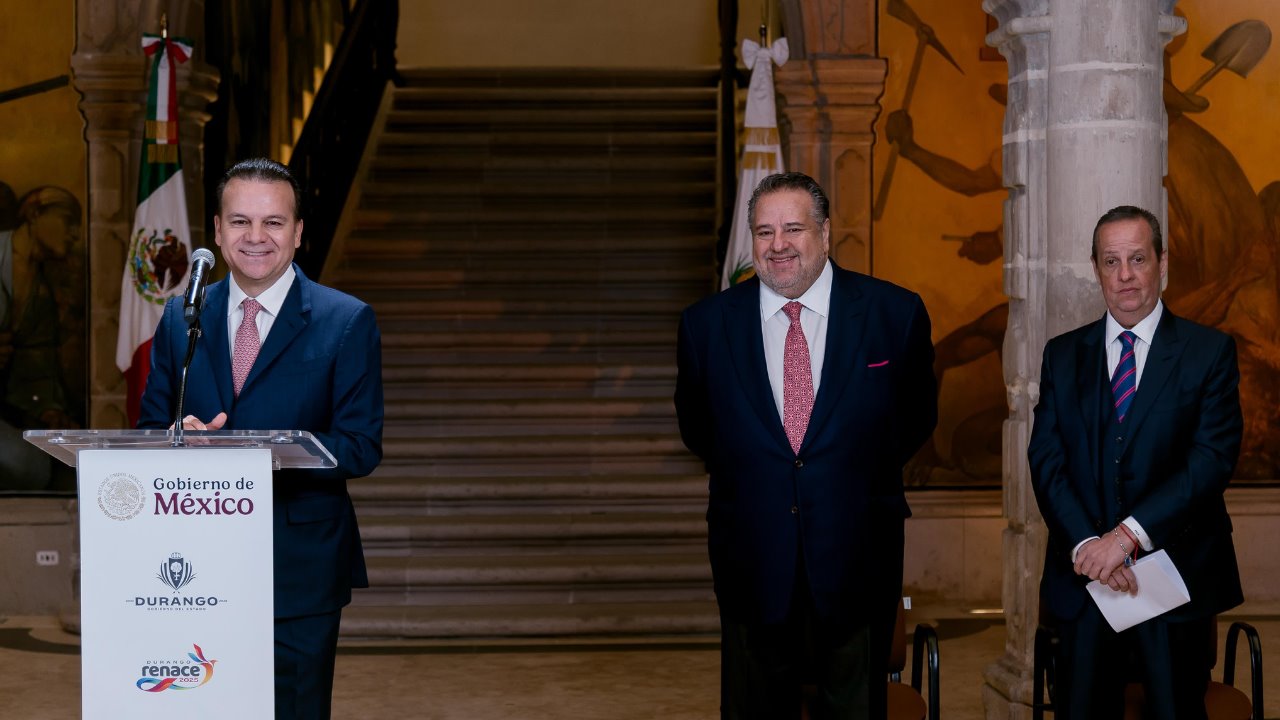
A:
1145, 329
271, 299
817, 298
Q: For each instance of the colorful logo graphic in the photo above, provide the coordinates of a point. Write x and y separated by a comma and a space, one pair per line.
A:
177, 675
176, 573
120, 496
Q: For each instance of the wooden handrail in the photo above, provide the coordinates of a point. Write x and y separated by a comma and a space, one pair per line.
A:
730, 81
327, 153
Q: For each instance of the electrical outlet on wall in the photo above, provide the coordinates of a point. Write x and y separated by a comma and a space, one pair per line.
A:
47, 557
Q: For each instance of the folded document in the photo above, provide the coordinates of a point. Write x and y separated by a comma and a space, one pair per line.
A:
1160, 589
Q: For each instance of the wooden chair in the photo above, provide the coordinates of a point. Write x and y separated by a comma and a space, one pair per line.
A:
1223, 701
906, 701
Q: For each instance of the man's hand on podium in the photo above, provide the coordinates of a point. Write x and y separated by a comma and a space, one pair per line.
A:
191, 422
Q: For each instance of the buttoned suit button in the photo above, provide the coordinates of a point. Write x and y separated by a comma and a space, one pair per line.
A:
799, 463
794, 510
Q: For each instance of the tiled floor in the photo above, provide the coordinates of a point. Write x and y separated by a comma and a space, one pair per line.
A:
617, 679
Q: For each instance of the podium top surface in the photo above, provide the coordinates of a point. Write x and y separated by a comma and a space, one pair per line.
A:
289, 448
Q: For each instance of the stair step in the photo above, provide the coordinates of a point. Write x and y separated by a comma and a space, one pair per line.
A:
522, 411
560, 119
473, 571
421, 532
541, 620
451, 189
473, 375
415, 97
485, 240
429, 467
385, 487
446, 164
617, 141
559, 77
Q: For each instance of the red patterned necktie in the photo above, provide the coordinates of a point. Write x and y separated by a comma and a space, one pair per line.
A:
247, 344
797, 379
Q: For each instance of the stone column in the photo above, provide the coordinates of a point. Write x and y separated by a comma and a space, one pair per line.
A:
111, 75
828, 105
1083, 132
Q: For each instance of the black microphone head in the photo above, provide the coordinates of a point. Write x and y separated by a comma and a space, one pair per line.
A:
202, 254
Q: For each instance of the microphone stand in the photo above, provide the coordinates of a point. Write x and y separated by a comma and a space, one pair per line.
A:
193, 334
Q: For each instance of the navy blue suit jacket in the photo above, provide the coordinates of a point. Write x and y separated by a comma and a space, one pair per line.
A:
1181, 440
319, 370
840, 500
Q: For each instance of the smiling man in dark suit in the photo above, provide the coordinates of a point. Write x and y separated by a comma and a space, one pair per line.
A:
1136, 435
805, 390
282, 352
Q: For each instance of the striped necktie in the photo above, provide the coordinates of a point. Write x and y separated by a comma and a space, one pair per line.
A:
1124, 383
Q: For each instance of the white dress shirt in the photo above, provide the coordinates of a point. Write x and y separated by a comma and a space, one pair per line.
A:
1145, 330
774, 324
271, 300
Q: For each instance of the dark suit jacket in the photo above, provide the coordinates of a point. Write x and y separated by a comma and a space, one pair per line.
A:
319, 370
840, 500
1181, 440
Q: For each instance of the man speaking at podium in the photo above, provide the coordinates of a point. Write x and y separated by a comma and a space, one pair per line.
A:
281, 352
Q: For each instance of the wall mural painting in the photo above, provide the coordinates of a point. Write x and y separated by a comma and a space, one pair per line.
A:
42, 328
944, 106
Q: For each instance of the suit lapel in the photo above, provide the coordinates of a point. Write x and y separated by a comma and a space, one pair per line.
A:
293, 317
1161, 357
1091, 383
746, 344
213, 325
844, 328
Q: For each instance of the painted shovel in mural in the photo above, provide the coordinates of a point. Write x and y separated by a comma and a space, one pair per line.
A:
1239, 49
925, 38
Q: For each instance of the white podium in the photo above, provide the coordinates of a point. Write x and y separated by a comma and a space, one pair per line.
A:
176, 567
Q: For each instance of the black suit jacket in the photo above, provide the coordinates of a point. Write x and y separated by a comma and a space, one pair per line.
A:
840, 500
320, 370
1181, 441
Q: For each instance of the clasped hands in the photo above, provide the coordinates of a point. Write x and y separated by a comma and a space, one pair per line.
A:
1103, 559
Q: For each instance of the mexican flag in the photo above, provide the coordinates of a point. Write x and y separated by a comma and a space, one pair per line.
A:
158, 263
761, 153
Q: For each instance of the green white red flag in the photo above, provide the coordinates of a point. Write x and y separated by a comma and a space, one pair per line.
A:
158, 263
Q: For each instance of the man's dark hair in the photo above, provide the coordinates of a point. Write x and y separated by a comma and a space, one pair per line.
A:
790, 181
1129, 212
262, 170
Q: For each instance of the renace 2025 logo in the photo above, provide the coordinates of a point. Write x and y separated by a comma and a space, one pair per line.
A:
176, 573
184, 674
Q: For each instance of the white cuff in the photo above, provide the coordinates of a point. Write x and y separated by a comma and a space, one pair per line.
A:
1076, 549
1143, 540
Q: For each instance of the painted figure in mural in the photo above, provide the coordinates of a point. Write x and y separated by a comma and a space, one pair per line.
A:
1133, 464
805, 390
1222, 256
42, 348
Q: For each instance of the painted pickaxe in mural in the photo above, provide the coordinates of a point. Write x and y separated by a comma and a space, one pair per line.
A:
925, 38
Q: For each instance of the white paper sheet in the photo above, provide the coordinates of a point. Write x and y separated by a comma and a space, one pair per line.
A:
1160, 589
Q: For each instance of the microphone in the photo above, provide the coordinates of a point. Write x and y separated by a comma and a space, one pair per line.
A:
193, 301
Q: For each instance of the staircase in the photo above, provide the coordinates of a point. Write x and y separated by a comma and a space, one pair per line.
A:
528, 239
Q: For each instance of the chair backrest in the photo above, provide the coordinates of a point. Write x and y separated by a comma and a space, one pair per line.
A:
898, 648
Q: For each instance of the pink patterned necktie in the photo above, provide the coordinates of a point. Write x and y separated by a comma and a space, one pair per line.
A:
247, 344
797, 379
